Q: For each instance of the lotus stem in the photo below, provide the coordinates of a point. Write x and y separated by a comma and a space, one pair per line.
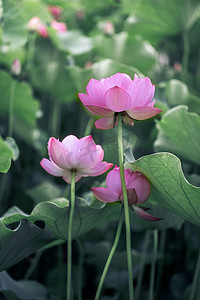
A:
69, 244
126, 209
108, 262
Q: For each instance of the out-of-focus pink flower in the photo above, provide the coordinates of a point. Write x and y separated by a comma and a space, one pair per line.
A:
138, 191
120, 94
56, 11
16, 67
33, 23
42, 31
109, 28
177, 66
72, 154
80, 14
59, 26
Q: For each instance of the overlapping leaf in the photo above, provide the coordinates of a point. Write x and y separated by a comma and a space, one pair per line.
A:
169, 187
127, 49
159, 18
178, 132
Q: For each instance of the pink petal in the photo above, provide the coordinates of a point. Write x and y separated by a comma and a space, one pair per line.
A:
105, 123
104, 194
117, 99
143, 112
85, 99
141, 91
51, 168
100, 110
144, 215
86, 153
96, 91
140, 183
67, 177
120, 79
70, 141
113, 181
58, 153
98, 169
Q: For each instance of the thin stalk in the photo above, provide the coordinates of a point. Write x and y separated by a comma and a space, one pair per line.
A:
89, 126
55, 120
30, 50
108, 262
11, 109
153, 264
186, 53
126, 209
142, 264
195, 279
69, 244
33, 265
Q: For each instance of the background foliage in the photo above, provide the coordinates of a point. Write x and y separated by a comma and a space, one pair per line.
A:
154, 38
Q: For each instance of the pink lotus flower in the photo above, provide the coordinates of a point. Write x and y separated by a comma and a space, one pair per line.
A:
72, 154
35, 24
120, 94
138, 191
55, 11
42, 30
59, 26
16, 67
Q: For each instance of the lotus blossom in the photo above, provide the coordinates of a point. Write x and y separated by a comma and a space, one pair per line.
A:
72, 154
35, 24
59, 26
56, 11
120, 94
138, 191
16, 67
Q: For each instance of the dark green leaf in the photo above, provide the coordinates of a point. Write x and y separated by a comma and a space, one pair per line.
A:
178, 132
169, 187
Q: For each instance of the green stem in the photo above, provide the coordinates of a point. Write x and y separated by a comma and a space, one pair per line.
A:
186, 53
30, 49
55, 120
108, 262
195, 279
11, 108
89, 126
69, 244
153, 264
142, 264
126, 209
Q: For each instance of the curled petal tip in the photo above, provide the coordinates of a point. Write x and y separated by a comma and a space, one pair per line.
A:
144, 215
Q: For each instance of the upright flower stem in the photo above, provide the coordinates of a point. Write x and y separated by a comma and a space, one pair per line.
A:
153, 264
89, 126
69, 244
126, 209
11, 108
108, 262
195, 279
